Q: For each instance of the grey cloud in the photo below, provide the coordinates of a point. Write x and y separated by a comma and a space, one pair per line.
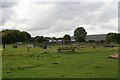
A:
7, 11
66, 12
66, 16
7, 4
7, 15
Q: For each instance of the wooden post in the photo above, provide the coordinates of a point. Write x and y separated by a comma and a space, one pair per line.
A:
14, 51
4, 47
28, 49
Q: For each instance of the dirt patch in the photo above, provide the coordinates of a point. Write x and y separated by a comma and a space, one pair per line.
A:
25, 52
18, 53
1, 49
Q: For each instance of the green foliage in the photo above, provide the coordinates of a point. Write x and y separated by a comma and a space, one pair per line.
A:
67, 37
113, 37
91, 41
46, 38
26, 34
8, 38
80, 34
60, 38
53, 38
39, 39
12, 36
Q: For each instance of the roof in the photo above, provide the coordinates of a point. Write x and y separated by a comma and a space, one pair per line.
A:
96, 37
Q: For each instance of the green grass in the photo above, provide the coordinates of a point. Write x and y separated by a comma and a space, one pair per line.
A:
92, 63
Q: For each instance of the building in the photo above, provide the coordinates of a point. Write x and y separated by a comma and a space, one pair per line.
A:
65, 41
96, 37
50, 40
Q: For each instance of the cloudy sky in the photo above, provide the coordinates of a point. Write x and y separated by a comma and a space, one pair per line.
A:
59, 18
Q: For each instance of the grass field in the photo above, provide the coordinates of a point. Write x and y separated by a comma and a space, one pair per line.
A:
42, 63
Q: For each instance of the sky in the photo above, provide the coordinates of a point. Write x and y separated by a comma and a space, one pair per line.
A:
57, 18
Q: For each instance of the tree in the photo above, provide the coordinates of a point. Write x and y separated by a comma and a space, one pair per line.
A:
80, 34
60, 38
39, 39
67, 37
27, 34
113, 37
118, 38
46, 38
12, 36
8, 38
53, 38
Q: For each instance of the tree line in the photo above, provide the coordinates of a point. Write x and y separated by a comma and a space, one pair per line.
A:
113, 37
13, 36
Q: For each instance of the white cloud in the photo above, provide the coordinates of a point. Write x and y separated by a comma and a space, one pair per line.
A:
61, 0
57, 19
